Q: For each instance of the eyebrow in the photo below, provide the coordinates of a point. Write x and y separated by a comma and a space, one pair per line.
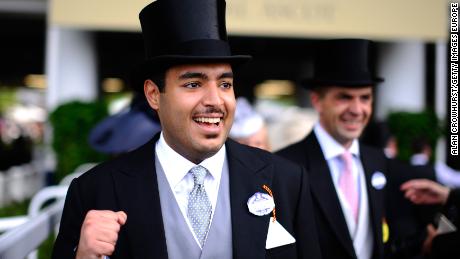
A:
344, 94
226, 75
348, 95
190, 75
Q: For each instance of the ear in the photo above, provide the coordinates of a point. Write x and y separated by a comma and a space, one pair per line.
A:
315, 100
152, 93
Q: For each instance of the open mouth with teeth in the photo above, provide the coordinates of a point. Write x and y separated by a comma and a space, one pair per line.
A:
352, 124
208, 120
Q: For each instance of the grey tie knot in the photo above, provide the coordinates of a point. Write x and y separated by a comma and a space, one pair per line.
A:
198, 173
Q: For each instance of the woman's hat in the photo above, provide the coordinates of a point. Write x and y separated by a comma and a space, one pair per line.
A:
247, 121
126, 130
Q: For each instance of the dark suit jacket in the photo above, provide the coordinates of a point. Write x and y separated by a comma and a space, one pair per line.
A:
129, 183
406, 220
334, 238
447, 246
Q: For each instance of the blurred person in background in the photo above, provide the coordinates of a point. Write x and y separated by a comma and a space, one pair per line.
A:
16, 145
437, 245
249, 127
422, 155
347, 178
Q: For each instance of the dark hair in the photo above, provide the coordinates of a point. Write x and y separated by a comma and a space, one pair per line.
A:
419, 144
138, 76
321, 91
159, 79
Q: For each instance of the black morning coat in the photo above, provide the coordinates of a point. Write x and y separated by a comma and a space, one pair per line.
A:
334, 238
129, 183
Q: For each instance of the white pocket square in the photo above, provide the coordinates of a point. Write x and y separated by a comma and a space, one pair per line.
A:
277, 235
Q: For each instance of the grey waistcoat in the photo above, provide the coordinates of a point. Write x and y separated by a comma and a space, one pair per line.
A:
179, 239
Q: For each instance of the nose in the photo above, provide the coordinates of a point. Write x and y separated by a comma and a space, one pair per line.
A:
212, 96
355, 107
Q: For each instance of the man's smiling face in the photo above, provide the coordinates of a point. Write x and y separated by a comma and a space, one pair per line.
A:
196, 108
344, 112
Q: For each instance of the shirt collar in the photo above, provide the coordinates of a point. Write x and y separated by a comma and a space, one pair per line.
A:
419, 159
176, 166
330, 147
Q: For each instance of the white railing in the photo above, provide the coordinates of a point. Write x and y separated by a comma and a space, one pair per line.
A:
18, 242
11, 222
24, 234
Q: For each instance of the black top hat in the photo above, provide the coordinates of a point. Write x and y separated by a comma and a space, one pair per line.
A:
342, 62
184, 32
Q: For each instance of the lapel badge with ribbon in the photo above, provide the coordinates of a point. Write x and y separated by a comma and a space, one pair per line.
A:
261, 204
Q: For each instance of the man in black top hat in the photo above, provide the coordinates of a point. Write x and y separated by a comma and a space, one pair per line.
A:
189, 192
347, 178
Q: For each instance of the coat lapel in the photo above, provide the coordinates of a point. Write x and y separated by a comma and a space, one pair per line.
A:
324, 191
136, 189
247, 174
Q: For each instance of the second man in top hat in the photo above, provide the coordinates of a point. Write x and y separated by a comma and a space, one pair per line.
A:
347, 178
189, 192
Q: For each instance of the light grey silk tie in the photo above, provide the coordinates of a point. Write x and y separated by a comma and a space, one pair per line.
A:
199, 206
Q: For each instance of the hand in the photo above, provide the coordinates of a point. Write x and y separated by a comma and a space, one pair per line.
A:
423, 191
99, 233
427, 244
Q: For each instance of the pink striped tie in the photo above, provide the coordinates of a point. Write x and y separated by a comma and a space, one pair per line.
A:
347, 183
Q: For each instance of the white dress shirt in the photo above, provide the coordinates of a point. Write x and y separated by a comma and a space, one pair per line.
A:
176, 169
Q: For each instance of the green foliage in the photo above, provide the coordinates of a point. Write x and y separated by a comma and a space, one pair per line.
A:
15, 209
72, 123
408, 126
7, 98
46, 248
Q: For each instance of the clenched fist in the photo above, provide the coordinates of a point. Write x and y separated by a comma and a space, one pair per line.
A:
99, 233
